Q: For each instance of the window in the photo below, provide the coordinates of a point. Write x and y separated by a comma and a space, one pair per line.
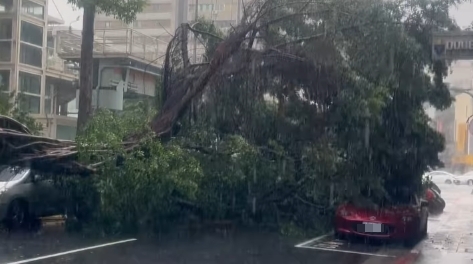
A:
31, 34
4, 80
6, 6
30, 88
30, 83
50, 42
151, 8
31, 52
5, 51
48, 99
206, 7
108, 24
157, 8
31, 55
220, 7
33, 9
29, 103
6, 35
6, 29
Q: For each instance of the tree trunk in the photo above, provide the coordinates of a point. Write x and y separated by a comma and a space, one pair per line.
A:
86, 68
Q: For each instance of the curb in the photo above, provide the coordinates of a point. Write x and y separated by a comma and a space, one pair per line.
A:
411, 257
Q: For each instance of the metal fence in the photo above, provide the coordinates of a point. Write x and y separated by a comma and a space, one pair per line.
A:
113, 43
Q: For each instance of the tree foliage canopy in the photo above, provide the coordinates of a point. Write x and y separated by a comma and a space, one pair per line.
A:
299, 107
9, 107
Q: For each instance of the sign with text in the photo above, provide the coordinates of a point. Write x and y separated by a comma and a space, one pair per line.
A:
454, 45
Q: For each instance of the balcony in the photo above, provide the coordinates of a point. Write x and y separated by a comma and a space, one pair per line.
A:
57, 65
113, 43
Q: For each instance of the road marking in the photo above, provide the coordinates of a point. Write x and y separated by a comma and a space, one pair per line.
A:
313, 240
349, 251
72, 251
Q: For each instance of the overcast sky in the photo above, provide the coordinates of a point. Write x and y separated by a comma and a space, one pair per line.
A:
65, 12
463, 14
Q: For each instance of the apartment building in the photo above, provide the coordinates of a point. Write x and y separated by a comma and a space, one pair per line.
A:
29, 65
160, 18
224, 13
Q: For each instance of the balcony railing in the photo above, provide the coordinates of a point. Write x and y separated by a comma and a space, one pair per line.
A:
113, 43
55, 63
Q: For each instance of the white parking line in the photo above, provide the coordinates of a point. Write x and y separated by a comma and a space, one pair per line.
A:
349, 252
313, 240
72, 251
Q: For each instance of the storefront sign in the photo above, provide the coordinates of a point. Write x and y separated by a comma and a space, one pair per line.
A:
452, 45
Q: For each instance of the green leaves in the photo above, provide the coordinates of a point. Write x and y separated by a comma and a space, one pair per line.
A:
293, 132
9, 106
146, 185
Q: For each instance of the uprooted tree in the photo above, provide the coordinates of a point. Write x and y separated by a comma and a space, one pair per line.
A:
302, 103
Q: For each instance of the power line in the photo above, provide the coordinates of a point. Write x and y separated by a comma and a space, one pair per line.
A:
54, 3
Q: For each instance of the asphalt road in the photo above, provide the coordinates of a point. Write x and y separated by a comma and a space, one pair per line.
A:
242, 247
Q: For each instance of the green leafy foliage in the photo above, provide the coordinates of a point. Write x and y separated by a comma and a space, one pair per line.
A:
142, 189
9, 107
283, 144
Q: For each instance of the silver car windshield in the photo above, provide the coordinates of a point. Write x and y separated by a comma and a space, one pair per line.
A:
11, 174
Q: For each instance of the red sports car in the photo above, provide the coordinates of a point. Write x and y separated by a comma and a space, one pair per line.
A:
405, 221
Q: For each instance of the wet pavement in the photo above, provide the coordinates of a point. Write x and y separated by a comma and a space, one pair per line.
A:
450, 236
450, 239
251, 248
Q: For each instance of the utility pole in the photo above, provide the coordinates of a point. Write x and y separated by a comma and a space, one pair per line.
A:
196, 16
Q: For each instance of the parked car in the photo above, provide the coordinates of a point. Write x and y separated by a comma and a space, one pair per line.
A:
440, 177
405, 220
25, 195
466, 178
435, 187
436, 202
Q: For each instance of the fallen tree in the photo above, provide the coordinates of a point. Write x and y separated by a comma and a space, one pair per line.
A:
324, 64
234, 53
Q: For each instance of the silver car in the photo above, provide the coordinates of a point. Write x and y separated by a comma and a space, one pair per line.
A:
25, 195
439, 177
466, 178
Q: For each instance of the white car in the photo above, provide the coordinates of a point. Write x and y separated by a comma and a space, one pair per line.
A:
441, 177
466, 178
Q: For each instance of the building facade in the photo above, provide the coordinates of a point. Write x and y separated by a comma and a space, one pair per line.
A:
30, 67
160, 19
